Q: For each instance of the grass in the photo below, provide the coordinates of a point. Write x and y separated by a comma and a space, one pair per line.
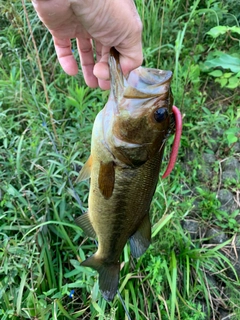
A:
46, 119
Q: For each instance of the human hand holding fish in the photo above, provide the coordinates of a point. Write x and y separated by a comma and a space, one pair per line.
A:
97, 25
128, 141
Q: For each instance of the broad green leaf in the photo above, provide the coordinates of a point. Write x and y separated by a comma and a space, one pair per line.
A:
227, 75
216, 73
233, 82
224, 61
222, 81
231, 135
231, 138
235, 29
217, 31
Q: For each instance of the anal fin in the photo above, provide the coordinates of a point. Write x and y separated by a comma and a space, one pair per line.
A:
108, 276
84, 222
141, 239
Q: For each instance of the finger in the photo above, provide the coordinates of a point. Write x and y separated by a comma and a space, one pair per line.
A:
130, 59
101, 68
87, 61
104, 84
101, 71
65, 56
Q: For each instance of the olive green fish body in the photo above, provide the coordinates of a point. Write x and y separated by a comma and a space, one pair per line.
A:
126, 153
117, 218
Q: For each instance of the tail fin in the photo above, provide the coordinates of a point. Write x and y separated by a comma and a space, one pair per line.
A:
108, 276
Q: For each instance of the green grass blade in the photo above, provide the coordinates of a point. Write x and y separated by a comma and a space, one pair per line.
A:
20, 292
173, 285
161, 223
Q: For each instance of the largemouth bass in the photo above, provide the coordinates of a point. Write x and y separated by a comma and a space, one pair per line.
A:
127, 147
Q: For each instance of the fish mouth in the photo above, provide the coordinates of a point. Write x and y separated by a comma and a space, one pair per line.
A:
146, 83
142, 83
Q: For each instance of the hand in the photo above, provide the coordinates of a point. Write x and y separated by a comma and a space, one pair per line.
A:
99, 23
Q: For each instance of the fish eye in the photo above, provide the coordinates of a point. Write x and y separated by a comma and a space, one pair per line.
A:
161, 114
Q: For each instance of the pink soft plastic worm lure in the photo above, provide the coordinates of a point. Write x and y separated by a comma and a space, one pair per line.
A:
176, 142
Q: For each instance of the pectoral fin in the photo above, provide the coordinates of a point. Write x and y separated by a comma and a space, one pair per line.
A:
106, 179
141, 239
84, 222
85, 172
108, 276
